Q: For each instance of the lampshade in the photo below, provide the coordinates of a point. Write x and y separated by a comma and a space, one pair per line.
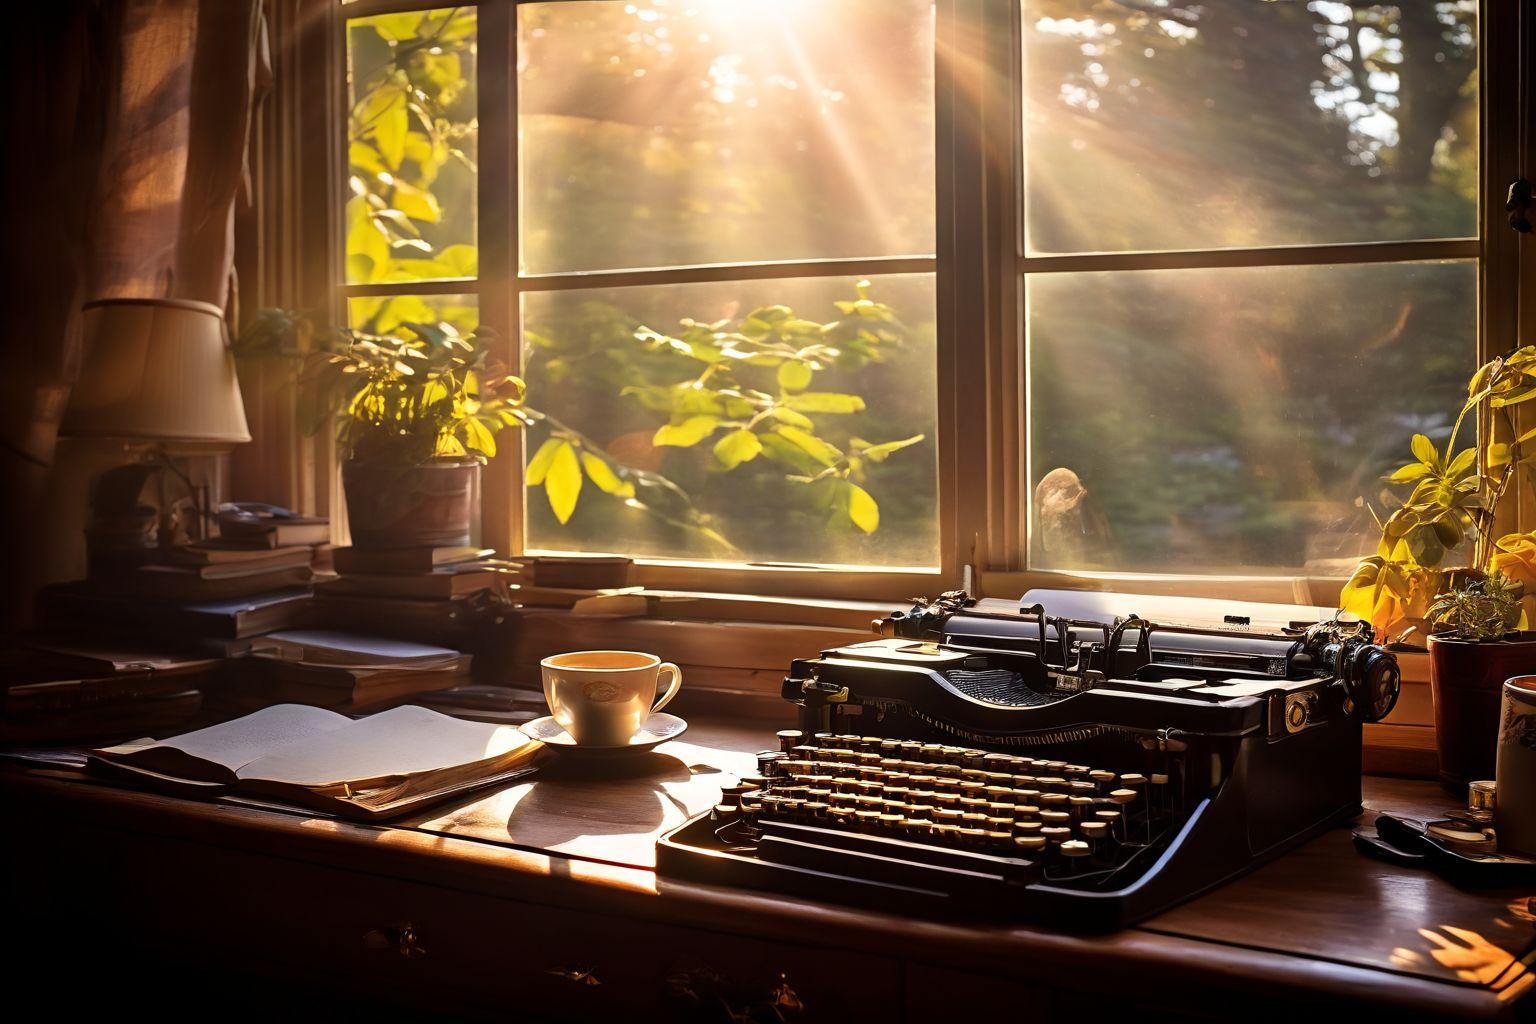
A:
156, 370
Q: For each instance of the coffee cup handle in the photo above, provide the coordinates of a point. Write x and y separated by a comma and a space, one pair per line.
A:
672, 687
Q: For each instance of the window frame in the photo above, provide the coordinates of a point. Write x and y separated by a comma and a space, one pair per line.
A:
979, 267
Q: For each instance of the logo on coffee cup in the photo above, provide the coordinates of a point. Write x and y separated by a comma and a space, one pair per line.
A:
604, 692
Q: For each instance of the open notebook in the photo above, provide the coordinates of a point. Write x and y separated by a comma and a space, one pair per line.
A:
366, 769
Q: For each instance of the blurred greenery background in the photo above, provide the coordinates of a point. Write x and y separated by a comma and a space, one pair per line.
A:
1220, 420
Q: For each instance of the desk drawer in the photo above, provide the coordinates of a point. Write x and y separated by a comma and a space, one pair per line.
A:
448, 950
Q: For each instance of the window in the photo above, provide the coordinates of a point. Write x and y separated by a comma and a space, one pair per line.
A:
896, 286
725, 249
1249, 272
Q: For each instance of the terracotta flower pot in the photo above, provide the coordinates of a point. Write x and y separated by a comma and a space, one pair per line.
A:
395, 506
1466, 679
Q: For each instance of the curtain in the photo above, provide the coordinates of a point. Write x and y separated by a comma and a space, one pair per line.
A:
128, 127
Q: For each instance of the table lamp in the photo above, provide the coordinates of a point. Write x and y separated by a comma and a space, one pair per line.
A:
158, 375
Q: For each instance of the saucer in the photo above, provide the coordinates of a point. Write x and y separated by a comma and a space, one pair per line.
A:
656, 730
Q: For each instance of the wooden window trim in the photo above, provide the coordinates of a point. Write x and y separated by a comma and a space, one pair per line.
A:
978, 265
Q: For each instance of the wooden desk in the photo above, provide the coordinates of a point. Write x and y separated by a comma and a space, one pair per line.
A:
541, 899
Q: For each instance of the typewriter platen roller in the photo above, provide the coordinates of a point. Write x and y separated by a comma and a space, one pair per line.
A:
1071, 758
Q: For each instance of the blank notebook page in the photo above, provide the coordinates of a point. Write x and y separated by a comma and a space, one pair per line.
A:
237, 743
401, 741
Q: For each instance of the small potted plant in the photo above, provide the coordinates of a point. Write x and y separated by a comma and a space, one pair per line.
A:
417, 416
1472, 617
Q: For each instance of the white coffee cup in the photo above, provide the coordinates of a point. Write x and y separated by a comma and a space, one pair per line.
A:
602, 698
1514, 799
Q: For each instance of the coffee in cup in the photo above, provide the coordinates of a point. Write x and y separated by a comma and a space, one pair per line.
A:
602, 698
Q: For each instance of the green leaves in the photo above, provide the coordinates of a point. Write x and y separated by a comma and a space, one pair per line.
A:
737, 447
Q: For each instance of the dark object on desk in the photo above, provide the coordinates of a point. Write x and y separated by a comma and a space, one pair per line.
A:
259, 525
1404, 839
59, 691
1085, 772
79, 605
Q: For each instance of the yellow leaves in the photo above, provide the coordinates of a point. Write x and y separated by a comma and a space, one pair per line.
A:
862, 509
1392, 596
1515, 556
478, 437
795, 375
881, 452
538, 466
685, 434
1464, 462
824, 402
737, 447
811, 445
385, 117
1424, 450
562, 482
607, 481
417, 203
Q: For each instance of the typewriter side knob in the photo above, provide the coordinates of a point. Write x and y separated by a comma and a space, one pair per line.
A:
1375, 682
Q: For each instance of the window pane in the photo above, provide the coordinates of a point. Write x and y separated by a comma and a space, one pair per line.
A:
701, 425
1227, 420
384, 314
411, 136
1244, 123
677, 132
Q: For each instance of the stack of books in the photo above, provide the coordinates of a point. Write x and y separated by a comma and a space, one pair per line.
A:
59, 688
422, 593
582, 584
212, 594
343, 671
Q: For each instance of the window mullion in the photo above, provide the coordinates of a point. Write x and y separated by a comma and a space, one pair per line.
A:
719, 272
1277, 256
502, 505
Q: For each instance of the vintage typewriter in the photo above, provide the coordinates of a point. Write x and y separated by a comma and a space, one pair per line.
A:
1083, 766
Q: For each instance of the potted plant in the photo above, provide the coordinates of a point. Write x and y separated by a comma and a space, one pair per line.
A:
1471, 616
417, 416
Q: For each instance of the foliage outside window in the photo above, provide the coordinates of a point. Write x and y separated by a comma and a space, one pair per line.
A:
787, 420
1216, 416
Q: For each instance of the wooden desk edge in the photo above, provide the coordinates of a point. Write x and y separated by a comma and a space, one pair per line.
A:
1079, 962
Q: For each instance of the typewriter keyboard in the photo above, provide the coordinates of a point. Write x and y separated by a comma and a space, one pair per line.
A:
942, 818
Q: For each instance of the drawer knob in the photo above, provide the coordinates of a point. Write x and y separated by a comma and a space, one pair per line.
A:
714, 996
402, 938
576, 974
